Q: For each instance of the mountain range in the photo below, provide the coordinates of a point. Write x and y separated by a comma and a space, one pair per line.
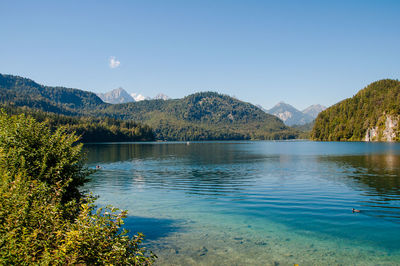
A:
292, 116
120, 95
373, 114
199, 116
203, 116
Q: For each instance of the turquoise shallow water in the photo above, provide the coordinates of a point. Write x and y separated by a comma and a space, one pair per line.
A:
256, 203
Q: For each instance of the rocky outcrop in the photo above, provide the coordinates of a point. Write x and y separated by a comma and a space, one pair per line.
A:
386, 130
371, 134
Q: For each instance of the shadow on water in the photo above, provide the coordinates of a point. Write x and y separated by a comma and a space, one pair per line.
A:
153, 228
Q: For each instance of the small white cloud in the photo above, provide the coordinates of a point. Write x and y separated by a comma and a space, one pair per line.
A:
114, 63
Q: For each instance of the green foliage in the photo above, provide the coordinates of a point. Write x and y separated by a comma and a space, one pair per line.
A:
97, 238
44, 217
31, 220
53, 159
349, 120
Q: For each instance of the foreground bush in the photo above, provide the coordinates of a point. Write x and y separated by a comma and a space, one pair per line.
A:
44, 218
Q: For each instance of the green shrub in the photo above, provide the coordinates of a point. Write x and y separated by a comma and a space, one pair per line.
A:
44, 217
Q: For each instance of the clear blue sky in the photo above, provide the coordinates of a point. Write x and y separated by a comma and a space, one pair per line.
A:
263, 52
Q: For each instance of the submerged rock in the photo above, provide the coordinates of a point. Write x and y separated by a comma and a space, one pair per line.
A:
203, 251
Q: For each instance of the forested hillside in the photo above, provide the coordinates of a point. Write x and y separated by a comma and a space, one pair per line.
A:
372, 114
203, 116
90, 129
200, 116
20, 91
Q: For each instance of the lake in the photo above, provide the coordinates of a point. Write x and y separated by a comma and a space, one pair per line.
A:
256, 203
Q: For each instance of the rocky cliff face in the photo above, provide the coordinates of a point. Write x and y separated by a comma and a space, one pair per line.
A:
386, 130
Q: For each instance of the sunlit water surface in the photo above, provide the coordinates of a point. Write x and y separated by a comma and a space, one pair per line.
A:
256, 203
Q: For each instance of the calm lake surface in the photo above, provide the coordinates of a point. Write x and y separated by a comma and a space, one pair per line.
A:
256, 203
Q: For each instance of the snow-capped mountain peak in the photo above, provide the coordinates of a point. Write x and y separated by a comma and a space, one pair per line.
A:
161, 96
120, 95
139, 97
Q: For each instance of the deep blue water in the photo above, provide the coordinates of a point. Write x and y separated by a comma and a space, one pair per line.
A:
249, 203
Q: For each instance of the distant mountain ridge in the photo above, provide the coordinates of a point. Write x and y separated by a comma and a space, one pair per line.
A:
204, 116
314, 110
116, 96
199, 116
292, 116
120, 95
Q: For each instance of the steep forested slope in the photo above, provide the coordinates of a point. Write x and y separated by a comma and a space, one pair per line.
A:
372, 114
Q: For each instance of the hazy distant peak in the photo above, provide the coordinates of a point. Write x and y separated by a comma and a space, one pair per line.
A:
314, 110
119, 92
289, 114
314, 106
161, 96
115, 96
284, 105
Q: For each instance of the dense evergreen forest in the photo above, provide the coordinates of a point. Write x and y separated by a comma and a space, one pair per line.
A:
200, 116
90, 129
20, 91
350, 119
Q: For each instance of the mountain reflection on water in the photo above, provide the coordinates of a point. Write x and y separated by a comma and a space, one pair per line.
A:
378, 177
377, 174
197, 168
